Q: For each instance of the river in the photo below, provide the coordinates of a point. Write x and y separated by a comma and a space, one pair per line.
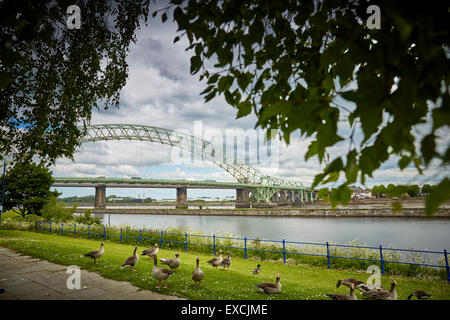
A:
431, 234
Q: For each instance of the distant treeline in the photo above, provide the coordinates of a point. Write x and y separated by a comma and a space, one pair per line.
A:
392, 190
112, 198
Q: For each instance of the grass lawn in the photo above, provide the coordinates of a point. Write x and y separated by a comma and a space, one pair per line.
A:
299, 282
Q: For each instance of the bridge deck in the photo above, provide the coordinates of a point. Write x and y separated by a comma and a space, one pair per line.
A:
154, 183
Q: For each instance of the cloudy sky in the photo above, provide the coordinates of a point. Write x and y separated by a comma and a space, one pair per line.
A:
160, 92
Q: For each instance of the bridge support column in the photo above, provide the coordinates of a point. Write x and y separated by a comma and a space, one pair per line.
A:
181, 198
289, 197
297, 198
242, 198
100, 197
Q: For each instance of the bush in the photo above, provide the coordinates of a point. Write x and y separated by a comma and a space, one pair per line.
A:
56, 211
88, 219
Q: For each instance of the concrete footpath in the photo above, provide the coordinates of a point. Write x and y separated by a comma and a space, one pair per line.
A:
27, 278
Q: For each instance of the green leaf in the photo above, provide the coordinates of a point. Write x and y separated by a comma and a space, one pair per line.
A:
403, 162
437, 195
396, 206
281, 107
244, 108
196, 64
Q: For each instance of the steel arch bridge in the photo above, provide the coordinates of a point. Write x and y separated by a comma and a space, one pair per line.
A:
264, 186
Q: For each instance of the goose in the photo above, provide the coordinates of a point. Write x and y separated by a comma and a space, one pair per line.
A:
172, 263
215, 262
226, 263
348, 282
151, 251
198, 274
257, 269
270, 287
160, 273
364, 287
420, 294
95, 254
131, 261
350, 296
380, 294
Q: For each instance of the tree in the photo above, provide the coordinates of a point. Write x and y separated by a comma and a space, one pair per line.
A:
27, 188
413, 190
426, 189
292, 62
378, 191
57, 211
51, 77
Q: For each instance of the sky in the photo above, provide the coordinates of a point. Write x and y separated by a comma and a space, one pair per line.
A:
161, 92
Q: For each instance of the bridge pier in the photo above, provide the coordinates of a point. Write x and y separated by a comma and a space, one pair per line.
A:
181, 198
100, 197
298, 199
242, 198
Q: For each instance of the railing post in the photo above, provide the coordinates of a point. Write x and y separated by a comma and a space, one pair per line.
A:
214, 244
50, 228
75, 230
104, 233
62, 229
89, 231
120, 235
185, 242
284, 252
161, 239
245, 247
328, 255
446, 266
140, 236
381, 259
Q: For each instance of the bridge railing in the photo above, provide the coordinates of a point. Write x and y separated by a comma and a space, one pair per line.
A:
314, 253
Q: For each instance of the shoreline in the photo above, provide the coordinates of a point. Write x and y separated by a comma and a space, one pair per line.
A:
284, 212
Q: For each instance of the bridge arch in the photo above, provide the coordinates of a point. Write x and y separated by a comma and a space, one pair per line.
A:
243, 173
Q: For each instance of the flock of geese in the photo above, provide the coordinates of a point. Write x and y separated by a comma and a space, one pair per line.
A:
162, 274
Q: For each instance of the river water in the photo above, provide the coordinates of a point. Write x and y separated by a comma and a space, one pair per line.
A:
431, 234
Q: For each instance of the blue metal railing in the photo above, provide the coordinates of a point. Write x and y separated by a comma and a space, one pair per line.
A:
214, 239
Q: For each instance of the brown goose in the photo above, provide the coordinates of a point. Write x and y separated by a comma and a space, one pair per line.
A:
150, 252
350, 296
95, 254
226, 263
420, 294
348, 282
380, 294
172, 263
198, 274
270, 287
215, 262
257, 269
160, 273
131, 261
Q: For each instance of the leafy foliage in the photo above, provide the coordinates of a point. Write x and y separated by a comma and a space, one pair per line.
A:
27, 188
88, 219
56, 211
290, 62
51, 76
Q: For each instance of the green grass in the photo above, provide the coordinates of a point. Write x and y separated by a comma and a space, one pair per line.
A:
299, 282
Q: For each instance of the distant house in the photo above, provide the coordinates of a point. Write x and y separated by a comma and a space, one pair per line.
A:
360, 193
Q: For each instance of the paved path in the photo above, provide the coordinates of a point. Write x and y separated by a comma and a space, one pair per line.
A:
27, 278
